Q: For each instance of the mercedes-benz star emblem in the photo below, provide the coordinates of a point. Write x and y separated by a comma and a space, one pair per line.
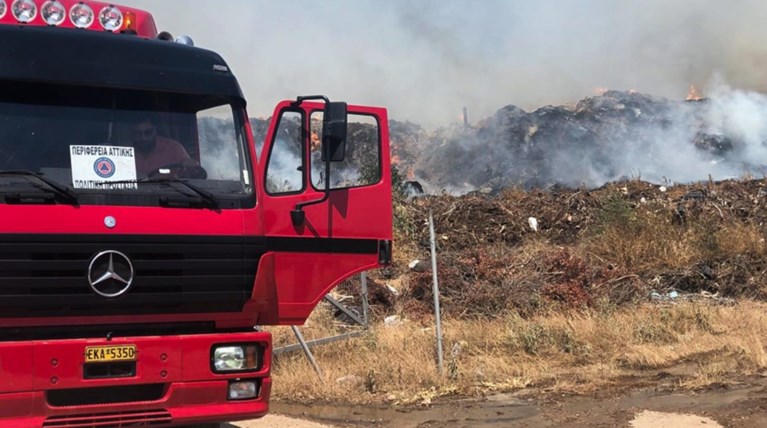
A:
110, 273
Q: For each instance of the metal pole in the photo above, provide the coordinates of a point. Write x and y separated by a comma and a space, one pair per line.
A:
307, 351
355, 317
437, 315
364, 279
316, 342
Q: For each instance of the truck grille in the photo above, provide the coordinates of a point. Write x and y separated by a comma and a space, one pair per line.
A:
105, 395
112, 420
47, 275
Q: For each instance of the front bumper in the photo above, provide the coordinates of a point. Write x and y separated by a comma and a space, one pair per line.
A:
173, 383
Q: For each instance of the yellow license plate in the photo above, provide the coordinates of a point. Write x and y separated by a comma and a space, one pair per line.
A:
105, 354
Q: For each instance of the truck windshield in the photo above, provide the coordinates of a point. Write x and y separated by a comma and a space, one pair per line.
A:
115, 146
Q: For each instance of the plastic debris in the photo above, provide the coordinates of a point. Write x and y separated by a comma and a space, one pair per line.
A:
419, 266
533, 222
393, 290
392, 320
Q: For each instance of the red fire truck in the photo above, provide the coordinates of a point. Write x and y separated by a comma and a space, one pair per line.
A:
145, 235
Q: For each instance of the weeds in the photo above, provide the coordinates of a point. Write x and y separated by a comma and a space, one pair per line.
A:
575, 351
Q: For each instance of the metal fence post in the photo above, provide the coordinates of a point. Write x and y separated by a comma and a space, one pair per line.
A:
435, 289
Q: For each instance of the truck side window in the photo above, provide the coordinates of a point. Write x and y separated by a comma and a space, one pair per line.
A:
362, 165
284, 170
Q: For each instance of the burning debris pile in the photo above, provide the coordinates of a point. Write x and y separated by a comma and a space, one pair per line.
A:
616, 135
613, 136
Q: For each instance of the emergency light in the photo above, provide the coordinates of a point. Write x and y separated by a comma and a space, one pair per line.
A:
76, 14
54, 13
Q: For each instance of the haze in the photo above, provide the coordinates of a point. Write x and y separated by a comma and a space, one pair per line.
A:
426, 60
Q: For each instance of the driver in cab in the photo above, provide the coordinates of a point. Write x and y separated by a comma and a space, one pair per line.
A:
158, 156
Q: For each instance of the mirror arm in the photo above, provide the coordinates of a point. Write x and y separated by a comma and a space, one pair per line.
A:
298, 216
300, 99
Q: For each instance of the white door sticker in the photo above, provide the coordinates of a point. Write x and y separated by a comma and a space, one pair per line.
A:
99, 167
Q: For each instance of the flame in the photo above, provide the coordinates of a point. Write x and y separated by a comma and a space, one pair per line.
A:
693, 94
600, 90
395, 160
316, 142
632, 91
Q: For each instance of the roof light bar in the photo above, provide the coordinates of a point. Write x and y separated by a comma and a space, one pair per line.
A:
53, 12
24, 10
81, 15
111, 18
70, 15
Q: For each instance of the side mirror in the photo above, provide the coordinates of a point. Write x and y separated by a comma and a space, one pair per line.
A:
334, 132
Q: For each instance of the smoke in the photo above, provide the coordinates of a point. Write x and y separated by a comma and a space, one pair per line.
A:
743, 116
615, 136
426, 60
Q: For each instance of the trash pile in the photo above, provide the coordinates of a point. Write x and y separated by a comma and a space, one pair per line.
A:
614, 136
526, 251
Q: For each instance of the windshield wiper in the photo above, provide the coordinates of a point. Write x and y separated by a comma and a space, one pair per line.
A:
206, 197
59, 189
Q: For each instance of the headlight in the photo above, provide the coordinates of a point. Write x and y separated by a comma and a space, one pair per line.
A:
53, 12
243, 390
111, 18
81, 15
3, 9
24, 10
235, 358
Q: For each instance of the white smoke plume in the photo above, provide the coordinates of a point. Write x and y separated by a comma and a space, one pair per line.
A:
426, 60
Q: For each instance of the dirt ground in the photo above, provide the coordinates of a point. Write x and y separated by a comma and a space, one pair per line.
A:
741, 404
277, 421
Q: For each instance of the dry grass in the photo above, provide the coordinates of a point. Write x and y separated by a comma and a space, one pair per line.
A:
562, 352
562, 308
741, 238
644, 238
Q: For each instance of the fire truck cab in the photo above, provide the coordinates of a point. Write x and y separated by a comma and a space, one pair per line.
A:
145, 232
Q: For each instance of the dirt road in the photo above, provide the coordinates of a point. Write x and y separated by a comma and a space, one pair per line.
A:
741, 405
645, 419
278, 421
